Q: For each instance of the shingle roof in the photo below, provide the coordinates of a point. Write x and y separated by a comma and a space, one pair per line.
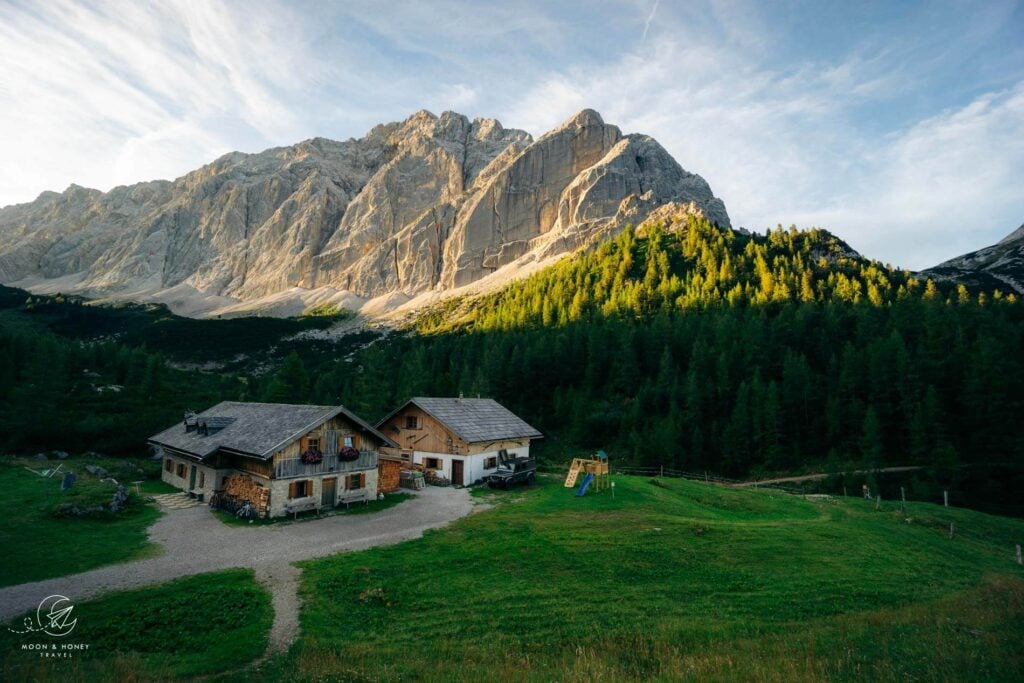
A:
256, 428
475, 419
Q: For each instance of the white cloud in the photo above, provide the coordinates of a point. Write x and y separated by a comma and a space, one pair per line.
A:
99, 92
107, 93
785, 147
650, 18
945, 186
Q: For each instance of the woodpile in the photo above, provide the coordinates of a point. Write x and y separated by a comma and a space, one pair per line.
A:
388, 474
241, 488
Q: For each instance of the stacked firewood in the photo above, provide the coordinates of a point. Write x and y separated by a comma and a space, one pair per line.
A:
241, 488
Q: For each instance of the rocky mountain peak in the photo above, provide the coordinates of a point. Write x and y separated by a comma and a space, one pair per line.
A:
1014, 236
430, 203
1000, 266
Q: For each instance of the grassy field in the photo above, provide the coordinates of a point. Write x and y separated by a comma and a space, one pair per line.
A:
672, 580
39, 545
193, 626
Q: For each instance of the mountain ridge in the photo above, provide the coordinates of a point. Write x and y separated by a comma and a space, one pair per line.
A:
998, 266
428, 204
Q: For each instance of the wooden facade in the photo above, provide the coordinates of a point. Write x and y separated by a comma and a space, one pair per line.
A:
425, 441
274, 480
427, 435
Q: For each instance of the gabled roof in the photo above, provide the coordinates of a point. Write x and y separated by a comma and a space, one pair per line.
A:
258, 429
474, 420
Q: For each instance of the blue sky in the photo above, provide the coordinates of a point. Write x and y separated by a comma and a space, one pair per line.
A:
897, 125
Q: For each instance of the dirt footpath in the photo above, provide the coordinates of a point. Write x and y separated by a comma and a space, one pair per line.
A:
195, 541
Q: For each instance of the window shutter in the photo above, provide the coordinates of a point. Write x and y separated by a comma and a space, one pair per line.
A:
303, 445
309, 487
355, 441
291, 490
362, 480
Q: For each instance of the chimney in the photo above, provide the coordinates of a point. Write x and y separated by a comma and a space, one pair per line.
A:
460, 396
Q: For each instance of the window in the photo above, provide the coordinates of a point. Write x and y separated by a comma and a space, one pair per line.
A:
490, 463
350, 441
412, 422
433, 463
181, 470
309, 443
202, 479
355, 481
169, 465
300, 489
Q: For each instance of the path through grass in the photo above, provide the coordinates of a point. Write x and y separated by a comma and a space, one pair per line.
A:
198, 625
672, 579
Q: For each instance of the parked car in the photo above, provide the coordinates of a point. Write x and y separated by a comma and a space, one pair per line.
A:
512, 471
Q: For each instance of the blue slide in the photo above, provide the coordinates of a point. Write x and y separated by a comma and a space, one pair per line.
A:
586, 482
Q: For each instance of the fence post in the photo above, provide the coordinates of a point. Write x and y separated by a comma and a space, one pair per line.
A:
903, 496
662, 471
945, 499
878, 502
1020, 559
952, 529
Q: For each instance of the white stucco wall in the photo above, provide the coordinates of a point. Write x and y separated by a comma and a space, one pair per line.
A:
473, 469
210, 482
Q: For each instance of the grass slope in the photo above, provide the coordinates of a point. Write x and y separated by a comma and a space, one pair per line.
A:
672, 580
193, 626
37, 545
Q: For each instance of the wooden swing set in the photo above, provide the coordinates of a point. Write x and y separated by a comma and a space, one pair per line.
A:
595, 471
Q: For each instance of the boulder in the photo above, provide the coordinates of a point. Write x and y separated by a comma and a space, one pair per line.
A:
120, 498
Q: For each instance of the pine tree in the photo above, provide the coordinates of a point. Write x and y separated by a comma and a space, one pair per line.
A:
290, 382
871, 447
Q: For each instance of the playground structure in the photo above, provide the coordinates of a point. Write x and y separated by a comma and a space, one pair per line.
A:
595, 471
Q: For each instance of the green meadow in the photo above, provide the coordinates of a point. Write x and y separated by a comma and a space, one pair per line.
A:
186, 628
668, 580
39, 543
672, 580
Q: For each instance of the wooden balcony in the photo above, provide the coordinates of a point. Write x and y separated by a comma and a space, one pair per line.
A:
294, 467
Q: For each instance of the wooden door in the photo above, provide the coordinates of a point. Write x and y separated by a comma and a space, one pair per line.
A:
328, 492
457, 472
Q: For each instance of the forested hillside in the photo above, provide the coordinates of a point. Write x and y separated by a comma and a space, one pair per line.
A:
77, 377
702, 348
689, 346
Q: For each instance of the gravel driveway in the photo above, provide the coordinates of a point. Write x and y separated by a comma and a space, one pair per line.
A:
195, 541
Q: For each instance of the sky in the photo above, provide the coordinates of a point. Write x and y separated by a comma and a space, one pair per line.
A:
897, 125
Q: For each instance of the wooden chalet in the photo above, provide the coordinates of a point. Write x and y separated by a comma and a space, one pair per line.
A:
457, 438
282, 458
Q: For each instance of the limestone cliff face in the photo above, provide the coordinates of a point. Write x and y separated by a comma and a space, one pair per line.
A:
430, 203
